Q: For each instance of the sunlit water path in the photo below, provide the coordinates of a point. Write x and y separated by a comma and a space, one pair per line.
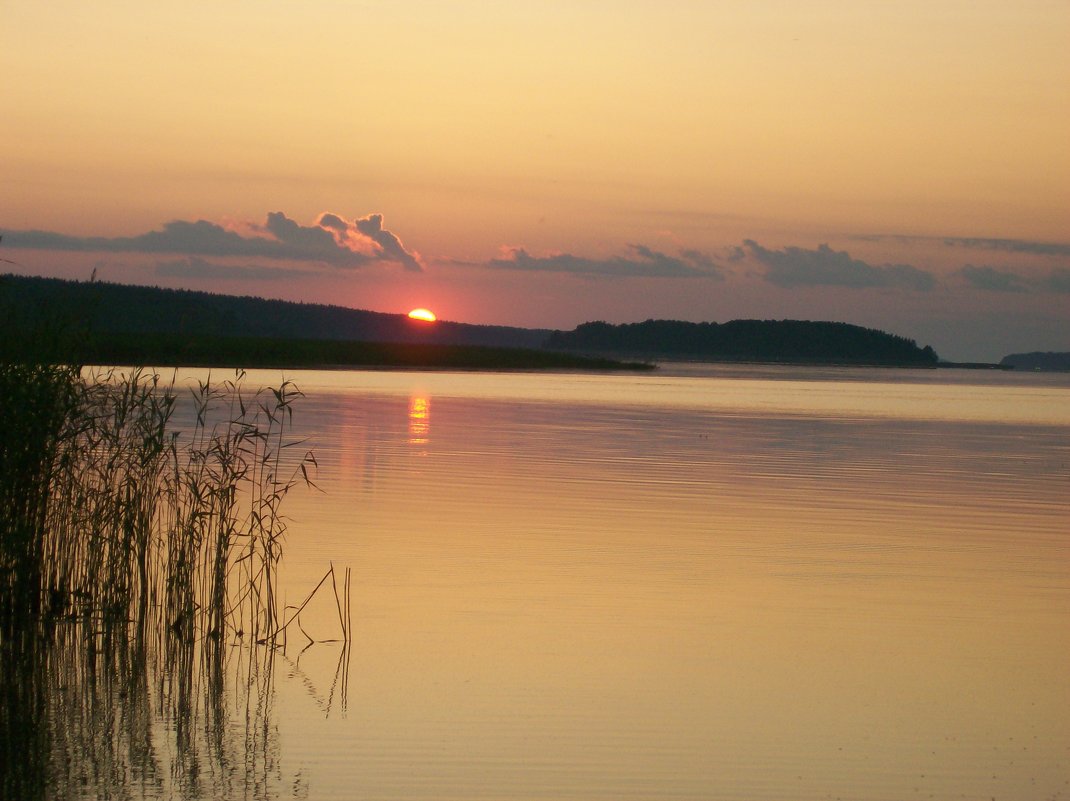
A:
730, 583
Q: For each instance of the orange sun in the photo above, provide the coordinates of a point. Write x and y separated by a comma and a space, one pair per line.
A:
426, 315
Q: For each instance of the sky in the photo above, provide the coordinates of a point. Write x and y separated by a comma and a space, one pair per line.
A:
902, 166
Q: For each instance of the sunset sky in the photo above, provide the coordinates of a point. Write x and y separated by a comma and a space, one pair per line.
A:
900, 165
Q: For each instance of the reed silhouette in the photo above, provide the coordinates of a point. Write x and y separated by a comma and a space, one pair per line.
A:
141, 530
122, 713
108, 512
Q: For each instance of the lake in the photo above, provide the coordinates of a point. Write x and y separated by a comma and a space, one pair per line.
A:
734, 582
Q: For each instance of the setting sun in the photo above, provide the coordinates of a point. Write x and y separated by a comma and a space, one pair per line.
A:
423, 314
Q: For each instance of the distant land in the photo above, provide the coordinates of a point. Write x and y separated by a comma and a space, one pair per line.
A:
151, 324
1037, 361
793, 341
119, 308
97, 323
198, 350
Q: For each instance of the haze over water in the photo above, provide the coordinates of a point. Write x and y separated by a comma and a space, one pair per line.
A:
705, 583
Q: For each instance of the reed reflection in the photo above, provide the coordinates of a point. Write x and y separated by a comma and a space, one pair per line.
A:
139, 610
123, 713
120, 713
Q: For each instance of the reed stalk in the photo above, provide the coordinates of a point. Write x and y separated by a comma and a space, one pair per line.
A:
111, 511
140, 536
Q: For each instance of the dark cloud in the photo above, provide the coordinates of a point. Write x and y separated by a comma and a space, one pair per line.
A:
736, 253
332, 240
201, 237
196, 267
794, 266
1021, 246
644, 263
1057, 281
1010, 245
320, 243
701, 260
333, 221
992, 279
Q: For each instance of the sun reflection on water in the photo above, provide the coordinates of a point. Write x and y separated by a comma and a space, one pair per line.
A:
419, 419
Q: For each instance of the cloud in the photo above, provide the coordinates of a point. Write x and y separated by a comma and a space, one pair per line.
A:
333, 221
1058, 281
736, 253
643, 263
200, 237
196, 267
316, 242
794, 266
992, 279
1020, 246
1010, 245
392, 249
332, 240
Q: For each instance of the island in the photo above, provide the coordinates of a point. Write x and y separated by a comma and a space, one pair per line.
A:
778, 341
1037, 361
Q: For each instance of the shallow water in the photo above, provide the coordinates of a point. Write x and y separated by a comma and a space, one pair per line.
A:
732, 583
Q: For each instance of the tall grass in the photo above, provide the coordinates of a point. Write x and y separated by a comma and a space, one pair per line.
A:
141, 532
140, 537
109, 510
39, 401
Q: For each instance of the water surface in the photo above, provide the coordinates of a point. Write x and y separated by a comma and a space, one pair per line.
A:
707, 582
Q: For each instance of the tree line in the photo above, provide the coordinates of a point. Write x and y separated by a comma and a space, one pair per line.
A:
801, 341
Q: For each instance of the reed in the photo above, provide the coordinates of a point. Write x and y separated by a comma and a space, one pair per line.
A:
141, 530
38, 401
114, 511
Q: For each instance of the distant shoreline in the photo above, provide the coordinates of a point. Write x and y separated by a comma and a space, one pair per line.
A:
115, 323
177, 350
738, 341
974, 366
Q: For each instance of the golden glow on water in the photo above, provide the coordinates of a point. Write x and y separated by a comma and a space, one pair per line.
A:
594, 599
837, 392
734, 583
419, 419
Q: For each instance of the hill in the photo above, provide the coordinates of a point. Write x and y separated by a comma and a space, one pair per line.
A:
117, 315
1037, 361
118, 308
195, 350
795, 341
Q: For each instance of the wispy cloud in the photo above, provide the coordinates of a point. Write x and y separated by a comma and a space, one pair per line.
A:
331, 240
1057, 281
641, 262
823, 266
1010, 245
196, 267
992, 279
1020, 246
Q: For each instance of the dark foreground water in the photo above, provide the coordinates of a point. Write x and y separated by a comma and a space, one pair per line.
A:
706, 583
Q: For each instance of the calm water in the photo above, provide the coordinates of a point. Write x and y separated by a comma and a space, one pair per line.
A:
705, 583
